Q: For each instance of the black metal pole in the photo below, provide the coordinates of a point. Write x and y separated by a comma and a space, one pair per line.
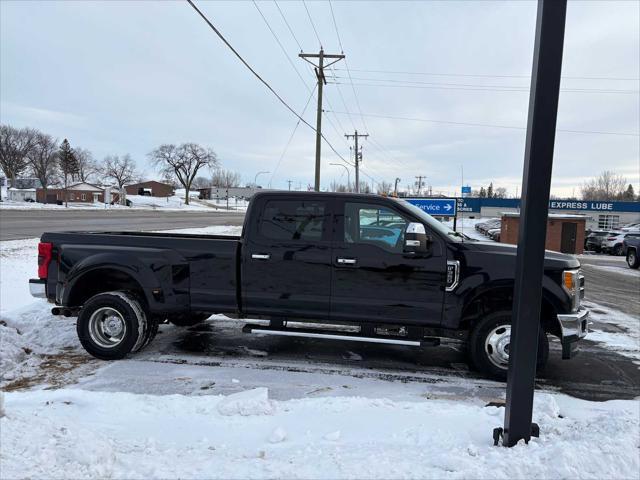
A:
536, 183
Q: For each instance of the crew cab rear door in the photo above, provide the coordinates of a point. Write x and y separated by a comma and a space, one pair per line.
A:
373, 279
286, 257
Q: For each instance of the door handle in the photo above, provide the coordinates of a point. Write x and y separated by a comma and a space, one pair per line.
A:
260, 256
347, 261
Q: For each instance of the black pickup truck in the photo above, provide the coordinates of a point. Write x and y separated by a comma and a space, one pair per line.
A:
322, 265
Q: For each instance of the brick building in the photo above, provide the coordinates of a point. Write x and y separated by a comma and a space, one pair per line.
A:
565, 233
151, 188
78, 193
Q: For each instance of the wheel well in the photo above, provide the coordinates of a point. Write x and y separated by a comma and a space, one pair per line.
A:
502, 299
99, 281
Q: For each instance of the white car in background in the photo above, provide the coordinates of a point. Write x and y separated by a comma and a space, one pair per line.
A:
613, 243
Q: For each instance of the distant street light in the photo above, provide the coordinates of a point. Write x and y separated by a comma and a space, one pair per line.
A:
255, 179
348, 175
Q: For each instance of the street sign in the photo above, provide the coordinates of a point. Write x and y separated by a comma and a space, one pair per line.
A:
436, 207
466, 189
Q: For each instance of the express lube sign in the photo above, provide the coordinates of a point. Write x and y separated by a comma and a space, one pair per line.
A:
577, 205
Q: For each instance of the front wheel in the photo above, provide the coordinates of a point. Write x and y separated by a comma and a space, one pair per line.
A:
489, 344
617, 250
632, 258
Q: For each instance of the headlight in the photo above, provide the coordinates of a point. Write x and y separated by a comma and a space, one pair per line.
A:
571, 283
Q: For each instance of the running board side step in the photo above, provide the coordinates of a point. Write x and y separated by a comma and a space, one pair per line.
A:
337, 335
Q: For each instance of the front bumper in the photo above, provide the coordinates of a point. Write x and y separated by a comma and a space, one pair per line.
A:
573, 327
38, 288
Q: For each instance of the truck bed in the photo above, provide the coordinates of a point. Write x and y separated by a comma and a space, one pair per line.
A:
196, 272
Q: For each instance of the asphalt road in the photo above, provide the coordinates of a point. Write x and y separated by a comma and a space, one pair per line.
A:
18, 224
611, 283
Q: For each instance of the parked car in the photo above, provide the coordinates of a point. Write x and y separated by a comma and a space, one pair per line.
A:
488, 225
613, 244
381, 265
494, 234
594, 240
631, 246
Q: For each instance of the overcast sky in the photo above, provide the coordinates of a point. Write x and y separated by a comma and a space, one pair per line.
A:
124, 77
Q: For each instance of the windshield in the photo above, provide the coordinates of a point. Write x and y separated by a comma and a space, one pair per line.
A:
433, 223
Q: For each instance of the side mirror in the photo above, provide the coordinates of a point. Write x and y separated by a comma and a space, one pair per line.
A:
416, 239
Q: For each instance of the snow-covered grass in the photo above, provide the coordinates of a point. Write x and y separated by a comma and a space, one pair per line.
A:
80, 434
82, 424
140, 202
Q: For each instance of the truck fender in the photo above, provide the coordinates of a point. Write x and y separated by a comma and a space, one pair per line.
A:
154, 274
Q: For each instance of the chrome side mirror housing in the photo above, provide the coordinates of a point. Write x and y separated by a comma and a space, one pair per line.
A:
416, 239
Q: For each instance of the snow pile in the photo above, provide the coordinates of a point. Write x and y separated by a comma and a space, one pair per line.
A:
249, 402
80, 434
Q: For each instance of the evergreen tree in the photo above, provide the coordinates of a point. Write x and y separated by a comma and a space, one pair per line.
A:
490, 191
629, 195
68, 165
483, 193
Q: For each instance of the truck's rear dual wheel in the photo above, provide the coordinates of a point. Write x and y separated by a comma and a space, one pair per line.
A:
113, 324
489, 345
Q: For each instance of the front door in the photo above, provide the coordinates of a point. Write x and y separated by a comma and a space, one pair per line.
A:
568, 237
373, 279
286, 261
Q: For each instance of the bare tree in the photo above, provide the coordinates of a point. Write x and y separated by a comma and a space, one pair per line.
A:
201, 182
500, 192
338, 187
15, 145
43, 161
225, 178
87, 166
384, 188
607, 186
183, 162
121, 170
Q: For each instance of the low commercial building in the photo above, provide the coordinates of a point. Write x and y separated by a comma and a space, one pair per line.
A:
565, 233
601, 215
212, 193
21, 194
151, 188
78, 193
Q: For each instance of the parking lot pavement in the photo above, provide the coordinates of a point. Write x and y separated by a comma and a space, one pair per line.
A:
18, 224
610, 282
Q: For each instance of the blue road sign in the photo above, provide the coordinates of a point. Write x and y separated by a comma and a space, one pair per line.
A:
437, 207
466, 189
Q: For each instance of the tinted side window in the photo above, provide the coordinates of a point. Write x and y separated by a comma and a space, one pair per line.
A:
374, 225
293, 220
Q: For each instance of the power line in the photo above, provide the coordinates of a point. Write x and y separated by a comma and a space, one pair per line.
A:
281, 46
346, 64
488, 125
482, 86
438, 74
312, 24
478, 89
288, 26
217, 32
291, 137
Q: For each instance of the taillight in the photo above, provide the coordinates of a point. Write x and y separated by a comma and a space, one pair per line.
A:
45, 251
611, 238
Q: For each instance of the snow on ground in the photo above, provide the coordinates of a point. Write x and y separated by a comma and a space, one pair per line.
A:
140, 202
77, 422
80, 434
614, 330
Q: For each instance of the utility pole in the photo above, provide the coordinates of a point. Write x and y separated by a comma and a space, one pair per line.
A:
319, 69
420, 177
289, 182
395, 188
358, 155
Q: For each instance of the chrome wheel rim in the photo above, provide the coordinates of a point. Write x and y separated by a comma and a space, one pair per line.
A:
631, 259
496, 346
107, 327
